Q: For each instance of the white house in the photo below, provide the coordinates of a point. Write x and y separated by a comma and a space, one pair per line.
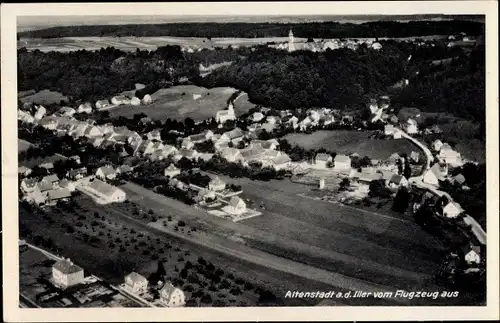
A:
187, 143
135, 101
216, 184
201, 137
40, 113
450, 156
172, 296
147, 99
172, 171
119, 100
136, 283
437, 144
92, 131
396, 134
25, 116
280, 162
28, 185
85, 108
102, 104
452, 210
105, 172
154, 135
257, 116
23, 171
376, 46
472, 254
66, 111
293, 121
232, 155
411, 126
321, 160
272, 119
49, 123
66, 274
436, 173
342, 162
236, 206
105, 193
225, 115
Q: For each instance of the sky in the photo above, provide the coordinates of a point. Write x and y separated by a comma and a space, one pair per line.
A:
40, 22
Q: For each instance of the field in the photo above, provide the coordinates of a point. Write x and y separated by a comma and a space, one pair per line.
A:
109, 243
44, 97
348, 142
132, 43
23, 145
178, 103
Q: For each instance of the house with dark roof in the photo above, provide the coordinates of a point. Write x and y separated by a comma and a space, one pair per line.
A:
397, 181
66, 274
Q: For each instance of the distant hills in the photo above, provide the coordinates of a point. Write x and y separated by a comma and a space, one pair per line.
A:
440, 25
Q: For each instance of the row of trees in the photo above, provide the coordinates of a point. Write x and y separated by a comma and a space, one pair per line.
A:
273, 29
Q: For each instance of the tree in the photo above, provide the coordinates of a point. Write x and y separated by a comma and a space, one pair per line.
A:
401, 200
344, 184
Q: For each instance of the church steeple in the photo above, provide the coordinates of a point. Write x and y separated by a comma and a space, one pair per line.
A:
291, 41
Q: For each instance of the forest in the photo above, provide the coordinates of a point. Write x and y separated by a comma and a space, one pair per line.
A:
251, 30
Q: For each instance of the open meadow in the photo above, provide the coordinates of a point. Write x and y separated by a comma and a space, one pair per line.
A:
44, 97
183, 101
349, 142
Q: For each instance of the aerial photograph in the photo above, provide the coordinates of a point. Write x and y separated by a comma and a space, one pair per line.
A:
251, 161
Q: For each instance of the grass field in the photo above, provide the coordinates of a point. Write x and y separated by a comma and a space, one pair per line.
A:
44, 97
178, 103
348, 142
132, 43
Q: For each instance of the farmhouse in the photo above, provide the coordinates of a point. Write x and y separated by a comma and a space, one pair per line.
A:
187, 143
92, 131
257, 116
471, 254
66, 112
51, 180
172, 171
452, 210
146, 147
201, 137
411, 126
135, 101
61, 194
204, 195
273, 119
189, 153
154, 135
236, 206
169, 150
28, 185
415, 156
397, 181
49, 123
172, 296
106, 172
136, 283
293, 121
216, 184
147, 99
25, 116
102, 104
177, 184
66, 274
85, 108
235, 135
342, 162
231, 154
450, 156
437, 144
269, 127
254, 127
67, 184
436, 173
40, 113
106, 193
23, 171
225, 115
321, 160
119, 100
281, 162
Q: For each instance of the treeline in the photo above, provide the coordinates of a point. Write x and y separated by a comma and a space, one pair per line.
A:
336, 79
95, 75
251, 30
457, 87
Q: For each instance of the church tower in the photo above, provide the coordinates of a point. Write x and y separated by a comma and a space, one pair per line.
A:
291, 44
